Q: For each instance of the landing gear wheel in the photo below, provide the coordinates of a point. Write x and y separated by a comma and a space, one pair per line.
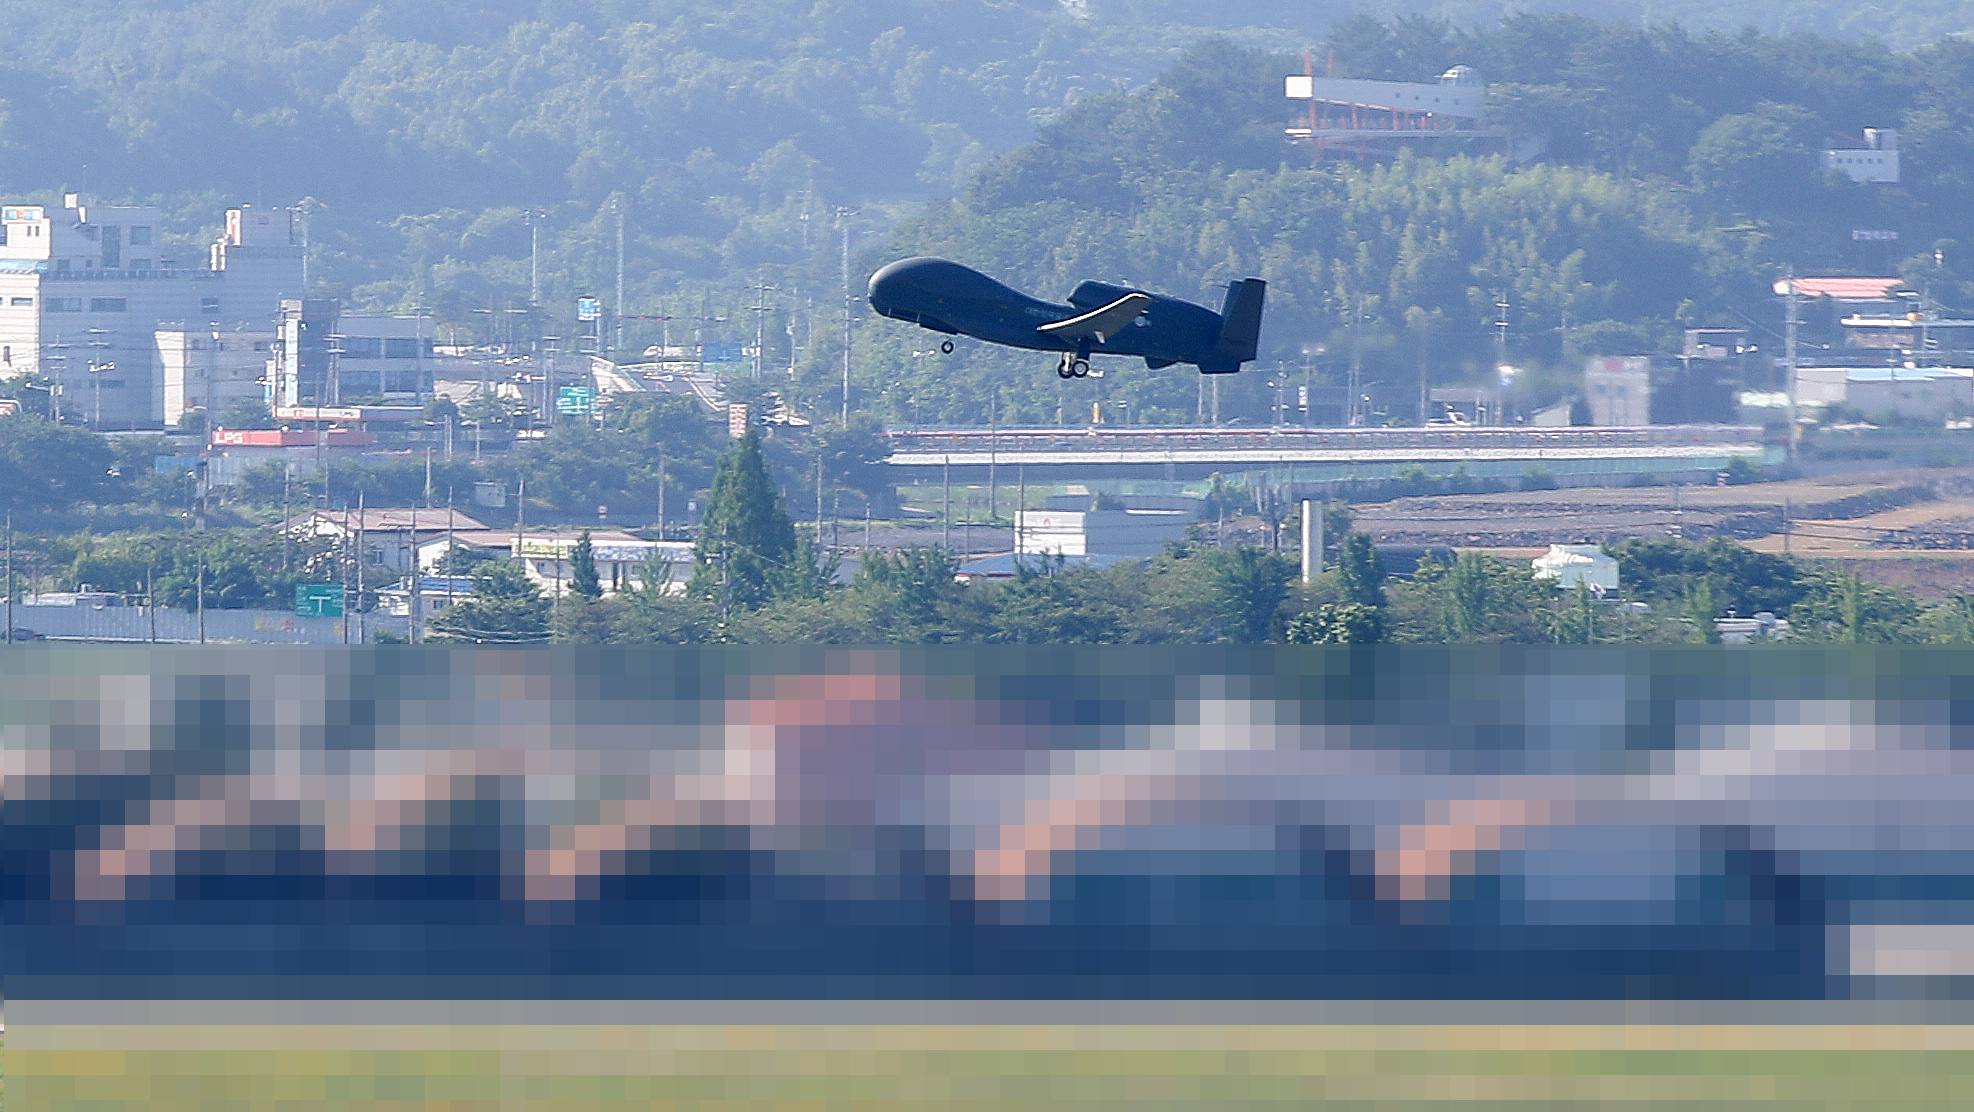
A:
1063, 371
946, 348
1079, 368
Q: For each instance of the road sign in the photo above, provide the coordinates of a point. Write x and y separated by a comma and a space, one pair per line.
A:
575, 399
723, 352
319, 600
588, 308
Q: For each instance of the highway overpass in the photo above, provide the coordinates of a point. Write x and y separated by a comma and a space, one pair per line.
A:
1317, 455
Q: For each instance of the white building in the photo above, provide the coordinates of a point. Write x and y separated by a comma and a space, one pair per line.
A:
1577, 565
621, 560
1618, 389
1877, 161
1097, 532
210, 368
1919, 393
545, 556
85, 288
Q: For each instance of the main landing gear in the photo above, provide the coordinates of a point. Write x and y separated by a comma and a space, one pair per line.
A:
1074, 364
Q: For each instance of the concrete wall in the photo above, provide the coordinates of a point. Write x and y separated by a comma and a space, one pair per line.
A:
135, 623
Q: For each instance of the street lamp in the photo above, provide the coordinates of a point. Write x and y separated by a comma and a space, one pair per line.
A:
96, 370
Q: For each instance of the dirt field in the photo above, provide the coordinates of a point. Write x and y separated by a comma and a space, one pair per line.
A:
1912, 528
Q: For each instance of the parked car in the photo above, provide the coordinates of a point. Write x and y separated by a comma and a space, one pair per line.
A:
19, 634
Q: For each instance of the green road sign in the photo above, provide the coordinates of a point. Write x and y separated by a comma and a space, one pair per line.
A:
319, 600
575, 399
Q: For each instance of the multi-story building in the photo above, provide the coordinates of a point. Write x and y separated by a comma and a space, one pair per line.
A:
211, 368
86, 288
325, 357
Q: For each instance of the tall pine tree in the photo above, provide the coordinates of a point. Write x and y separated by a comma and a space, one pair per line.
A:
583, 579
747, 553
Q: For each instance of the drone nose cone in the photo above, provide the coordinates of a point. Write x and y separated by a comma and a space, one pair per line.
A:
899, 285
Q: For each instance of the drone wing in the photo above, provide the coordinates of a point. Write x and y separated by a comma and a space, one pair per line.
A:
1101, 324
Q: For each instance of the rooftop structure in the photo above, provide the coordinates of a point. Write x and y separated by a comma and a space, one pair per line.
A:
1874, 160
1348, 115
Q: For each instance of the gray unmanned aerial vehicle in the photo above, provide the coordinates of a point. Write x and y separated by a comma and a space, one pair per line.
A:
1099, 319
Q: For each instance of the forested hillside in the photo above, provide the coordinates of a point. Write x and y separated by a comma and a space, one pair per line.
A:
1675, 176
1051, 139
424, 129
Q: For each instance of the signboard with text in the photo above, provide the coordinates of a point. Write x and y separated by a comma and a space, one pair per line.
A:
319, 600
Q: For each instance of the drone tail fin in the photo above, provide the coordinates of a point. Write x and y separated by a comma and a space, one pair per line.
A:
1240, 321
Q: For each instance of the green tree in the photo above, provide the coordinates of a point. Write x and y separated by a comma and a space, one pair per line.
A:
747, 553
909, 597
505, 609
582, 620
1337, 623
1049, 604
1701, 610
853, 456
1360, 573
1249, 585
1759, 162
245, 413
1842, 608
583, 579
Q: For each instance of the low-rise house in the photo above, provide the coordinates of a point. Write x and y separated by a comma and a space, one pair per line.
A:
390, 537
545, 556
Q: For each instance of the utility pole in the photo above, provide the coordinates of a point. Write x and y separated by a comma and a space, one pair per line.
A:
1353, 411
661, 494
10, 577
1789, 360
993, 445
1500, 347
843, 216
761, 292
417, 587
362, 558
287, 527
534, 216
617, 309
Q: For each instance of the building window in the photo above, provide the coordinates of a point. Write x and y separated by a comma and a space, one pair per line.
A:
140, 237
209, 305
140, 264
361, 347
61, 266
22, 301
260, 345
106, 305
400, 349
62, 305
